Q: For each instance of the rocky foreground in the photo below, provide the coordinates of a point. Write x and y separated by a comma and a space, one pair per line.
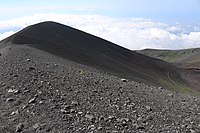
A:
44, 93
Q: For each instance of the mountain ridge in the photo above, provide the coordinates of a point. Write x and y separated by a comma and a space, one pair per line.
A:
81, 47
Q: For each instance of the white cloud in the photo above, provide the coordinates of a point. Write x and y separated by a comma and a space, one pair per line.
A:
132, 33
6, 34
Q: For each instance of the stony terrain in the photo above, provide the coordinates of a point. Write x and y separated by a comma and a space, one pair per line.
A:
44, 93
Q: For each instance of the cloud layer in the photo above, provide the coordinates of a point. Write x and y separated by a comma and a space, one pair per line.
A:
132, 33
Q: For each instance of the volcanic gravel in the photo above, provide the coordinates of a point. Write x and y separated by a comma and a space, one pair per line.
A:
40, 92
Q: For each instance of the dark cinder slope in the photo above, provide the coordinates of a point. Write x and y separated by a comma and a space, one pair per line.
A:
89, 50
48, 94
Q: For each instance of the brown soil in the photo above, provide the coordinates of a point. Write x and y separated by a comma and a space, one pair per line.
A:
192, 77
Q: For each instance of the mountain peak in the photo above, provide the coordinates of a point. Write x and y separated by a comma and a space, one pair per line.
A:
84, 48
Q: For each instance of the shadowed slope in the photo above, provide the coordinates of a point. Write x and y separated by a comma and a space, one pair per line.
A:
84, 48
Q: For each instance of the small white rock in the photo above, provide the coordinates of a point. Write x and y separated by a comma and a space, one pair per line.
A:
124, 80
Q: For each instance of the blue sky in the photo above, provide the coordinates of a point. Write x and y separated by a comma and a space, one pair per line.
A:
169, 18
186, 11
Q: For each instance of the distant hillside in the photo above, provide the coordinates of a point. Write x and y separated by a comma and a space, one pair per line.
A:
187, 60
175, 56
83, 48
